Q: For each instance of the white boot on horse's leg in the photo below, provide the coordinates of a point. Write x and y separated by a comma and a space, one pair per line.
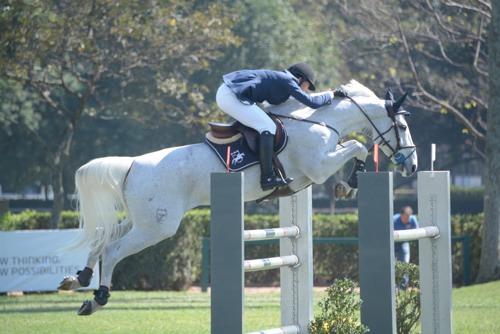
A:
344, 191
73, 283
69, 283
341, 190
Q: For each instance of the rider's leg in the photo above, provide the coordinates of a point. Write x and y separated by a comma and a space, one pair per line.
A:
268, 177
252, 116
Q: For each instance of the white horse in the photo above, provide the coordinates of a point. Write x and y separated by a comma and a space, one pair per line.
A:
157, 188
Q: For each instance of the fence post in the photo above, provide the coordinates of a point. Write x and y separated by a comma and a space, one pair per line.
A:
226, 270
466, 259
205, 264
435, 253
297, 283
376, 252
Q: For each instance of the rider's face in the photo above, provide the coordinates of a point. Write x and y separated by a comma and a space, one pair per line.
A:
304, 85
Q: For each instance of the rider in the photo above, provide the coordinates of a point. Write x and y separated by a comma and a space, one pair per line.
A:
242, 89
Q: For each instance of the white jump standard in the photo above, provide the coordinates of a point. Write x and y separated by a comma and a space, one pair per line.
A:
227, 257
376, 251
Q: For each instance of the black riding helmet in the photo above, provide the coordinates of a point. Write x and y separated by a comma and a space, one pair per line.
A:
304, 71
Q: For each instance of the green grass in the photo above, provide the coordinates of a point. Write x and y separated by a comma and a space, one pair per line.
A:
476, 309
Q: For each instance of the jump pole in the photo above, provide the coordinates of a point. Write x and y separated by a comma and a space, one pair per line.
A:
376, 251
227, 257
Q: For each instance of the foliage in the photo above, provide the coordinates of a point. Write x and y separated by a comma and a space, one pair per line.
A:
276, 34
176, 263
173, 264
407, 299
36, 220
437, 50
339, 311
473, 226
133, 59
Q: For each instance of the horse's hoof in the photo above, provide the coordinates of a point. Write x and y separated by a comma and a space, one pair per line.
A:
69, 283
344, 191
88, 307
341, 190
352, 194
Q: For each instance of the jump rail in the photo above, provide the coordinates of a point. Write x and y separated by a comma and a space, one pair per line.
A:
270, 263
416, 234
271, 233
281, 330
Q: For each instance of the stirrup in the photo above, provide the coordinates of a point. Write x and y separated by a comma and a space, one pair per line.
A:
274, 181
268, 185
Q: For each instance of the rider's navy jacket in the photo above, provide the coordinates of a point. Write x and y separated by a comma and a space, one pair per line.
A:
275, 87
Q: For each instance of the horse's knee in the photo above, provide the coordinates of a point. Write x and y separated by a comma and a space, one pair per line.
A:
319, 177
363, 151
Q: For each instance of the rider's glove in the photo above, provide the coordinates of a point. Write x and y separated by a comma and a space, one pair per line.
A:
339, 92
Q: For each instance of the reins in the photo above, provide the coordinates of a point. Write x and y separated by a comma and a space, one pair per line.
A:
307, 121
400, 158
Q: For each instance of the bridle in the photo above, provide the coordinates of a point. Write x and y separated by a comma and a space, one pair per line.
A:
399, 157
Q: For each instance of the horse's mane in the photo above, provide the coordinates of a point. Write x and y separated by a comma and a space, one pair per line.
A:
354, 88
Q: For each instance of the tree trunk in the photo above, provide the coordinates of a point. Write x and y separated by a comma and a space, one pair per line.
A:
58, 204
490, 250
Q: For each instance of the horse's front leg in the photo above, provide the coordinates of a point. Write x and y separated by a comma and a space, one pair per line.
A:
328, 163
349, 189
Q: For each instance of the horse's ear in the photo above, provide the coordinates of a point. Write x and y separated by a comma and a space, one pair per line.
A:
389, 96
399, 102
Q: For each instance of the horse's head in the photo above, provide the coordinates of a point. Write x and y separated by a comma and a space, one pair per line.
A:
395, 140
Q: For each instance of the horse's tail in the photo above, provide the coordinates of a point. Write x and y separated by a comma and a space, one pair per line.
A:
99, 190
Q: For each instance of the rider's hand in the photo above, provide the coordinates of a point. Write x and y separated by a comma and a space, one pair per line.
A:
339, 92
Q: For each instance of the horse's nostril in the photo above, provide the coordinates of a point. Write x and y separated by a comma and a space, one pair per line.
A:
413, 168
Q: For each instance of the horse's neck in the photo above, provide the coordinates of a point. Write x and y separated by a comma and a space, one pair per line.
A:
349, 118
342, 115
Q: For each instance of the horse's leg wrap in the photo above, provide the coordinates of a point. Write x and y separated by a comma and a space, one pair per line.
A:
359, 166
84, 276
101, 295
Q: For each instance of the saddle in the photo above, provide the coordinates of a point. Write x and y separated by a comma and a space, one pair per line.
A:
243, 145
224, 133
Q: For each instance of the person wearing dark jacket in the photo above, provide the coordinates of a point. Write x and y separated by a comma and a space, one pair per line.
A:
242, 89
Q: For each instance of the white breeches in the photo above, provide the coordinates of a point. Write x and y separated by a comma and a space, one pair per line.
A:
248, 114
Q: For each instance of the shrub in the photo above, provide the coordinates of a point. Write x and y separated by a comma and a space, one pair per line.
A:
407, 298
339, 311
176, 263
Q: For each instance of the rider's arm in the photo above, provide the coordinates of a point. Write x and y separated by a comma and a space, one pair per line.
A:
310, 101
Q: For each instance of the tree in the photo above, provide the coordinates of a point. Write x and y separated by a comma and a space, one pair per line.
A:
277, 34
439, 50
104, 59
489, 267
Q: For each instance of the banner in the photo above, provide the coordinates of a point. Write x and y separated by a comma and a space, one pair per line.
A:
38, 260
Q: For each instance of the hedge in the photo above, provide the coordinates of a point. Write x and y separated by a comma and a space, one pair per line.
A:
175, 264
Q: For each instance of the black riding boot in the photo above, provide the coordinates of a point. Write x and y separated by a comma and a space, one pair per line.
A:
268, 177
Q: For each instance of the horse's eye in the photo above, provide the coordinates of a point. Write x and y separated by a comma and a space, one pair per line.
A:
402, 127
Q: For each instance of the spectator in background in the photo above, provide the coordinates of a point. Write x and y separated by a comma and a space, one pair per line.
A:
404, 220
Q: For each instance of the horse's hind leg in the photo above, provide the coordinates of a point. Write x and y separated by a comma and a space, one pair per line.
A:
133, 242
84, 276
